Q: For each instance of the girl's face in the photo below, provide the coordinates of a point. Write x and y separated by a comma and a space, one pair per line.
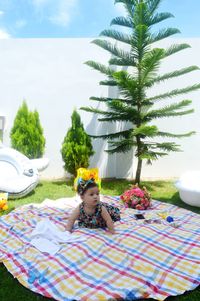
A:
91, 196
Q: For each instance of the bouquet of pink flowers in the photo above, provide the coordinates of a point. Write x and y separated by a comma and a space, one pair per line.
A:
136, 198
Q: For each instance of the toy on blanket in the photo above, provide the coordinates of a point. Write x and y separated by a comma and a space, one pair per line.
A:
136, 198
169, 219
33, 275
3, 201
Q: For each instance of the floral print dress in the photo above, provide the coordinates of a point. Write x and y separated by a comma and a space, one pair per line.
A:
95, 220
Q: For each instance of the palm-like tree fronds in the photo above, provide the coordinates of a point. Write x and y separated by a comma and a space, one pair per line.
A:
152, 5
122, 21
151, 63
157, 18
142, 61
163, 34
170, 135
121, 146
175, 92
112, 136
116, 35
171, 75
168, 111
115, 51
100, 67
102, 99
176, 48
108, 82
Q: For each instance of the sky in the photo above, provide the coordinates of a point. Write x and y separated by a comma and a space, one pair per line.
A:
83, 18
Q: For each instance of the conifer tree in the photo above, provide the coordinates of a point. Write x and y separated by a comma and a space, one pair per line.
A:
133, 105
27, 133
76, 147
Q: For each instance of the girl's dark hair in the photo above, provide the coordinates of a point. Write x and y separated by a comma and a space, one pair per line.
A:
83, 186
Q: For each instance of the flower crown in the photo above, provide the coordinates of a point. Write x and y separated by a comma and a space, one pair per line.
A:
86, 176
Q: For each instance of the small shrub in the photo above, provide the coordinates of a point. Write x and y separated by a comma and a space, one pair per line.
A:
76, 147
27, 134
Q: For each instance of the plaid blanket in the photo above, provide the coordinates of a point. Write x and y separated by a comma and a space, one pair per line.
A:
142, 260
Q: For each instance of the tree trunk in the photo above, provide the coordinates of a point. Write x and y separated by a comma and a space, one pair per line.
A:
138, 171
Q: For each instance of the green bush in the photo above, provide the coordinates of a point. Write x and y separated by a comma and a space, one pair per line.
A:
76, 147
27, 134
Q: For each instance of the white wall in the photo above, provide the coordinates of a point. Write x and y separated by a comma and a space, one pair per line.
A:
51, 76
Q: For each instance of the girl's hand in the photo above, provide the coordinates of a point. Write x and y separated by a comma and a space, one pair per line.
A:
71, 220
112, 231
106, 216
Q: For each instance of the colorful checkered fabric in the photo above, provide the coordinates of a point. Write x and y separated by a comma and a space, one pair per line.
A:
142, 260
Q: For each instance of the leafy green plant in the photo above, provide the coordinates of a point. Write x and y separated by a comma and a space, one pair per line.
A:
27, 133
133, 106
76, 147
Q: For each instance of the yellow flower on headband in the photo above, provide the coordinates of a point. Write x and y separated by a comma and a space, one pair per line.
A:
85, 175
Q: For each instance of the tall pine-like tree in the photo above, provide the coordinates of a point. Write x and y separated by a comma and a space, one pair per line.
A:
76, 147
143, 59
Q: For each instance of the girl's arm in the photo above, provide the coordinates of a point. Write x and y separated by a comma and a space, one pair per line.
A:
72, 218
106, 216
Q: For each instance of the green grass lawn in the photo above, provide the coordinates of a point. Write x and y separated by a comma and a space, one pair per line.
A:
11, 290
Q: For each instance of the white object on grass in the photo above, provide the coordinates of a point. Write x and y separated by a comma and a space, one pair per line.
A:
189, 188
18, 176
40, 163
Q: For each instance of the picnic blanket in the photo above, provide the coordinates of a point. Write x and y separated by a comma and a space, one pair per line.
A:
142, 260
